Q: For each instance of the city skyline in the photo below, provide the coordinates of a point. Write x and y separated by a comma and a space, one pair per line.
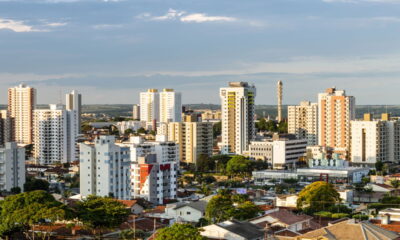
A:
111, 50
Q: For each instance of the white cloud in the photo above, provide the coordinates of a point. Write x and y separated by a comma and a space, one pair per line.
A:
107, 26
183, 16
386, 19
56, 24
16, 26
201, 17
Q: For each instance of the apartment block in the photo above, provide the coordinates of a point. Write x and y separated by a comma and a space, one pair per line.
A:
170, 106
375, 140
74, 102
149, 105
136, 112
5, 127
105, 169
335, 111
303, 121
237, 107
21, 103
12, 167
154, 169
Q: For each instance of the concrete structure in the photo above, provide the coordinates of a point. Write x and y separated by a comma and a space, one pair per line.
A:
149, 105
375, 140
237, 106
125, 125
303, 121
12, 167
136, 112
73, 102
280, 96
55, 133
188, 212
5, 127
323, 161
233, 230
211, 115
194, 139
170, 106
21, 102
154, 170
105, 169
335, 111
281, 151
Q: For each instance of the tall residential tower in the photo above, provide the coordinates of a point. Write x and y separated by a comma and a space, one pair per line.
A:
303, 121
149, 105
237, 106
74, 102
279, 95
170, 106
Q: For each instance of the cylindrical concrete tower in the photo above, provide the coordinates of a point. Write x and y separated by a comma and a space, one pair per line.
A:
279, 93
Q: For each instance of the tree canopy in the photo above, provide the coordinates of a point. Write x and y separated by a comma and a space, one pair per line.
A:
33, 184
239, 166
179, 232
19, 212
318, 196
101, 212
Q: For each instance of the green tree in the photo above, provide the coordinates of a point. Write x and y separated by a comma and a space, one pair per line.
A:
261, 125
239, 166
179, 232
220, 161
379, 166
395, 183
33, 184
101, 213
15, 190
219, 208
132, 234
317, 196
21, 211
246, 211
205, 163
141, 131
217, 129
282, 127
271, 126
128, 131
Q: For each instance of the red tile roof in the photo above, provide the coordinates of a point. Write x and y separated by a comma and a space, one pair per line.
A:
128, 203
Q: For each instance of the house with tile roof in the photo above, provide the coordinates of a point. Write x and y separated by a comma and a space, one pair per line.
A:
233, 230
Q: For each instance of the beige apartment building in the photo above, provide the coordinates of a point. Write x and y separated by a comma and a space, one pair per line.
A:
194, 139
335, 111
21, 102
238, 127
303, 121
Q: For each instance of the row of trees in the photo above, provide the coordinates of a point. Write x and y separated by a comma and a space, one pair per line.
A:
21, 212
271, 126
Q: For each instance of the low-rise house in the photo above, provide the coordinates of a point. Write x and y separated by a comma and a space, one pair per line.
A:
367, 197
284, 219
286, 200
350, 229
133, 206
233, 230
380, 187
186, 212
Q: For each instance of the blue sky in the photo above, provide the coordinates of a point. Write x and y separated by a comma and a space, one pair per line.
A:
110, 50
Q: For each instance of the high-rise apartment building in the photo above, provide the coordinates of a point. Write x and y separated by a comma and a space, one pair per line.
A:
136, 112
54, 134
170, 106
12, 166
280, 96
21, 102
194, 139
5, 127
105, 169
375, 140
154, 170
237, 107
149, 105
303, 121
335, 111
74, 102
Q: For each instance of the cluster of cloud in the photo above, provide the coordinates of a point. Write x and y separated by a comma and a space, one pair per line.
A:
183, 16
21, 26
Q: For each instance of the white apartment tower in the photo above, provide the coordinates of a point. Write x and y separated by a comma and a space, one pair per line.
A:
280, 96
12, 166
5, 127
136, 112
74, 102
105, 169
154, 170
55, 131
170, 106
21, 102
375, 140
237, 107
335, 111
303, 122
149, 105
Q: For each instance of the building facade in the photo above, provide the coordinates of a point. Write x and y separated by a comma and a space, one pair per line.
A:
335, 111
105, 169
5, 127
237, 107
12, 167
74, 102
149, 105
154, 170
21, 103
303, 121
170, 106
136, 112
375, 140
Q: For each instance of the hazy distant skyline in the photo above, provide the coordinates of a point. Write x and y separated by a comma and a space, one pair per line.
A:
110, 50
